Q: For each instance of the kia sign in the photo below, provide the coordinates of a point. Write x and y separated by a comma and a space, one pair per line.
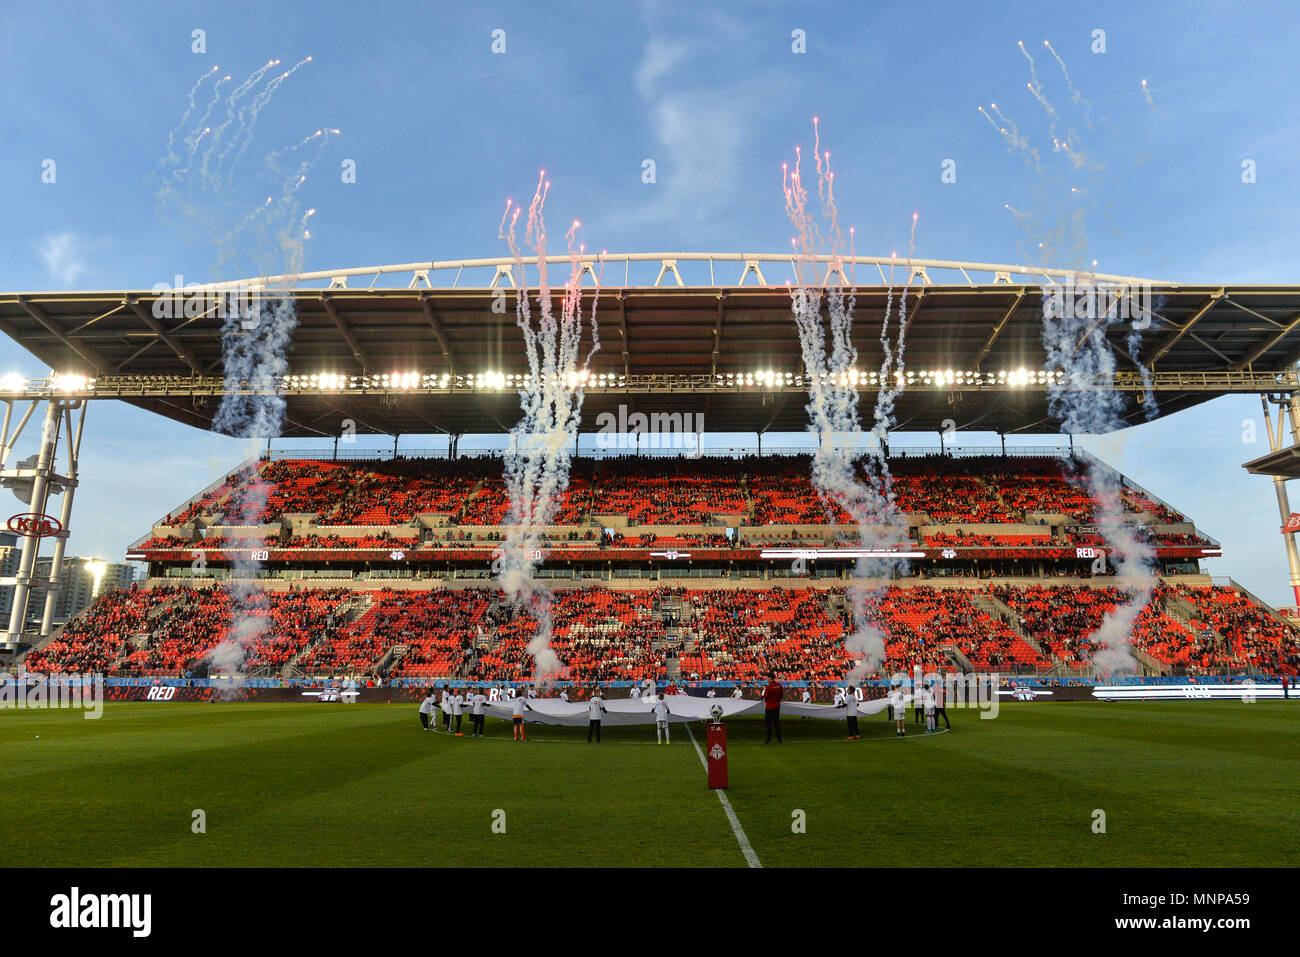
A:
33, 525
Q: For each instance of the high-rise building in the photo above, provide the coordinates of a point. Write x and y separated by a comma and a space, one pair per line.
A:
83, 580
9, 555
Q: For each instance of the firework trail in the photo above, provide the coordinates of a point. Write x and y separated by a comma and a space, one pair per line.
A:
171, 137
830, 358
1011, 135
236, 110
254, 109
537, 464
1036, 88
199, 193
257, 334
1066, 144
1081, 364
168, 168
1076, 97
1146, 93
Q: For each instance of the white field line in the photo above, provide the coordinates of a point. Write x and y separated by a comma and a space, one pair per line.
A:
745, 847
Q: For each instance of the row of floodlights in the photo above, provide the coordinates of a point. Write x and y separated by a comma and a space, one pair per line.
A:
62, 383
332, 382
906, 378
763, 379
71, 383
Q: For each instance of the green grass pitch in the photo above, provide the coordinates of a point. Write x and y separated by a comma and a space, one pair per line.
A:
1181, 784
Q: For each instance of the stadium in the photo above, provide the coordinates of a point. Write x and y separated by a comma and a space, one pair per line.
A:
521, 555
697, 570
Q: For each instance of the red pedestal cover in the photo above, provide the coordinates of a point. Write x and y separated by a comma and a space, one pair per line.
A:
715, 754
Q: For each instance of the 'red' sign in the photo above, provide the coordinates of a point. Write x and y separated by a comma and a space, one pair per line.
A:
33, 525
1292, 524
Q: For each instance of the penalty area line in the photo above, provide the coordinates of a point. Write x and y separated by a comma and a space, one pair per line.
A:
745, 847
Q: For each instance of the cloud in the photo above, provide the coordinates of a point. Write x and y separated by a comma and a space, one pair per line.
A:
700, 140
703, 118
661, 56
66, 256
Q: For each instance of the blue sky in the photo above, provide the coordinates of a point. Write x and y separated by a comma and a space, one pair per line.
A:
442, 130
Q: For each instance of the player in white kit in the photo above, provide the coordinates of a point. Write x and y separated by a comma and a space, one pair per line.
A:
849, 702
898, 703
595, 708
661, 721
520, 706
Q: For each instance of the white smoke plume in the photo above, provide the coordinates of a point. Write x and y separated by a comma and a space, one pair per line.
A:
199, 186
1076, 346
541, 443
1081, 360
255, 349
830, 360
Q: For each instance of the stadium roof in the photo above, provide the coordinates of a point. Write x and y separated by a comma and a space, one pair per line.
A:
439, 359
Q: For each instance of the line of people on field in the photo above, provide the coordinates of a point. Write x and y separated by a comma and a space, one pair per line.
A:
454, 702
930, 703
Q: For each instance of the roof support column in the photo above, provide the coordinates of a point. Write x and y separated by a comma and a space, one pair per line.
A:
1276, 443
31, 543
65, 516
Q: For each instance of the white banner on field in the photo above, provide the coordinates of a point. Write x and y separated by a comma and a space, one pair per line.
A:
681, 707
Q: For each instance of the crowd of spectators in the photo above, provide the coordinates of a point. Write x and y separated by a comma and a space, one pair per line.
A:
918, 622
742, 635
609, 634
175, 630
770, 490
961, 539
1234, 627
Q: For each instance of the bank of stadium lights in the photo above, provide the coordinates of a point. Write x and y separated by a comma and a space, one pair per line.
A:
324, 382
335, 382
70, 382
61, 382
904, 378
1028, 377
490, 381
398, 380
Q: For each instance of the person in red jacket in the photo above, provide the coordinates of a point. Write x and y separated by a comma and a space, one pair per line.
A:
772, 695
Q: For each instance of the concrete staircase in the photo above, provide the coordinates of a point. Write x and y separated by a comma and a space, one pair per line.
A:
1189, 616
350, 612
1153, 665
997, 494
959, 660
464, 506
391, 657
1251, 596
998, 609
